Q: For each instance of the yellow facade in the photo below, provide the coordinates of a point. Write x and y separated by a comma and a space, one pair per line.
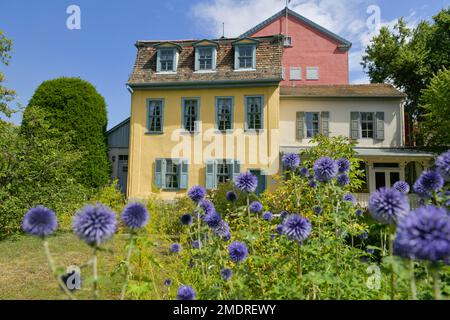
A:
146, 148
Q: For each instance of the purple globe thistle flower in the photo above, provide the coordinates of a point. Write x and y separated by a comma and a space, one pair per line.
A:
311, 177
401, 186
197, 193
304, 172
186, 219
428, 182
443, 165
268, 216
227, 236
424, 234
350, 198
325, 169
207, 206
359, 212
186, 293
364, 235
312, 183
317, 209
40, 221
175, 248
370, 251
343, 179
388, 205
246, 182
297, 227
256, 207
95, 224
212, 219
135, 216
283, 214
279, 229
226, 274
238, 251
343, 165
222, 229
231, 196
168, 282
290, 161
196, 244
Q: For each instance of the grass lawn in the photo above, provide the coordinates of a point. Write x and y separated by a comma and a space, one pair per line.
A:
25, 273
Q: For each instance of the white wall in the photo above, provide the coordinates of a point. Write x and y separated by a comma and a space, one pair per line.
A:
339, 121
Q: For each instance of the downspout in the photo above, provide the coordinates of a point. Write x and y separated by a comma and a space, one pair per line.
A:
130, 144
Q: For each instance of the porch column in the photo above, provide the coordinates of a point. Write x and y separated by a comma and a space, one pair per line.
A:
370, 177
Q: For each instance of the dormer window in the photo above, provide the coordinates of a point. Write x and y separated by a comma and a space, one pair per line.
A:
205, 55
245, 54
167, 57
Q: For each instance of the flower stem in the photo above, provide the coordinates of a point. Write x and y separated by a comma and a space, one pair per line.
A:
95, 275
127, 267
436, 282
412, 280
391, 255
300, 270
53, 270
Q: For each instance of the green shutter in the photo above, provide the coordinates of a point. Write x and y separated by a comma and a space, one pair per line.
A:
236, 57
184, 173
210, 175
197, 57
236, 169
299, 127
160, 171
158, 61
379, 116
325, 123
354, 125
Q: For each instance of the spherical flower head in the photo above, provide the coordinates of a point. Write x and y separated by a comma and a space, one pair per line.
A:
227, 236
186, 219
135, 215
424, 234
186, 293
304, 172
312, 183
343, 165
359, 212
196, 244
350, 198
401, 186
325, 169
428, 182
268, 216
279, 229
370, 251
207, 206
443, 165
364, 235
168, 282
238, 251
95, 224
317, 209
175, 248
283, 215
212, 219
246, 182
388, 205
290, 161
222, 229
296, 227
40, 221
226, 274
197, 193
256, 207
231, 196
343, 179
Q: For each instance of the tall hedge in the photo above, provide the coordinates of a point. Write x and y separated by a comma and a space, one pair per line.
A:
73, 106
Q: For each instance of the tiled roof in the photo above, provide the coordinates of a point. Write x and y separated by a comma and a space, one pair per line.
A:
268, 64
342, 91
343, 43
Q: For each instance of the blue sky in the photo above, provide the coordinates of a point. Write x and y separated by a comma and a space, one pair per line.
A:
102, 51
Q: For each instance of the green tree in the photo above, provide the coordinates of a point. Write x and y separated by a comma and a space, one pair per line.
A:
435, 105
409, 58
73, 106
6, 95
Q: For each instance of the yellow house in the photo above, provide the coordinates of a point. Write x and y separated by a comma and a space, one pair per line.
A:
202, 112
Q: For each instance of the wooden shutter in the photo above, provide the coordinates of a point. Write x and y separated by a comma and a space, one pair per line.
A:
210, 174
236, 169
184, 173
379, 125
197, 59
158, 61
325, 123
299, 127
236, 57
354, 125
160, 172
197, 116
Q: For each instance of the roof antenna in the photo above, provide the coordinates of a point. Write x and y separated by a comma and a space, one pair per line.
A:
223, 30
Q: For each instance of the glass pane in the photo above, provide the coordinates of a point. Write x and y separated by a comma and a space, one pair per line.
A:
380, 180
394, 177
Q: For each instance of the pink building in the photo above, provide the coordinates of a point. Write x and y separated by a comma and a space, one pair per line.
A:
313, 55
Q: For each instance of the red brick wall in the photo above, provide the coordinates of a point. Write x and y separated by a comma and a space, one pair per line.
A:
311, 48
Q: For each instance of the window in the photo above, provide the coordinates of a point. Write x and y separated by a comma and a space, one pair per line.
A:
171, 173
224, 113
123, 157
312, 124
295, 73
367, 124
245, 57
166, 60
254, 113
312, 73
190, 114
221, 171
155, 115
205, 58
